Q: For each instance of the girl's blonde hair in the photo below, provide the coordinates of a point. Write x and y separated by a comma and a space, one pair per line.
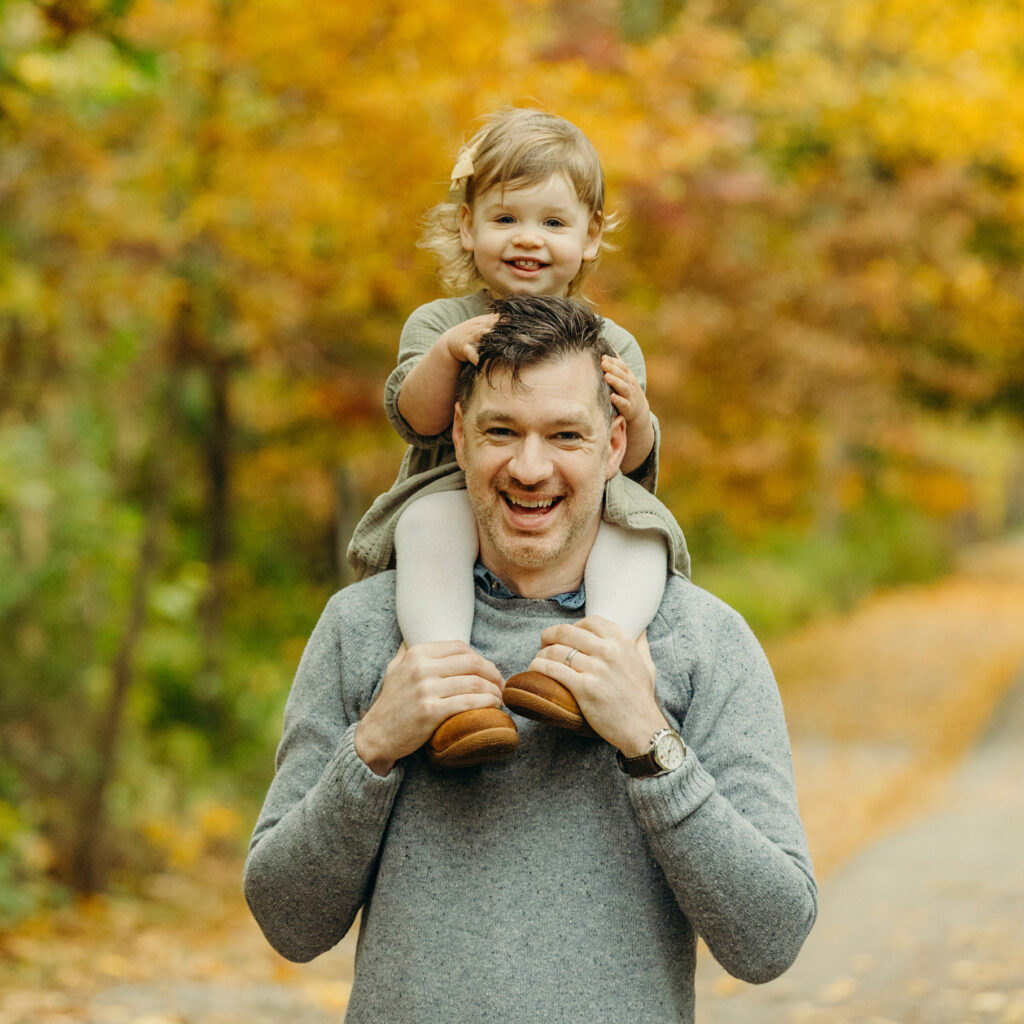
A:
516, 147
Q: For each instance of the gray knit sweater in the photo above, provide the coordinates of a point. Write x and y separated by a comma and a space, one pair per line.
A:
550, 887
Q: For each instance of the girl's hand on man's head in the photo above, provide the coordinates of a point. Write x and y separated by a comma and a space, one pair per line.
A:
627, 395
630, 401
462, 339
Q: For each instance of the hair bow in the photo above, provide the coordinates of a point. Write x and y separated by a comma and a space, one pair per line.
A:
463, 168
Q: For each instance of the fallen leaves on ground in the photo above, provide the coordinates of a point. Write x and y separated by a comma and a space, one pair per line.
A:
882, 703
183, 951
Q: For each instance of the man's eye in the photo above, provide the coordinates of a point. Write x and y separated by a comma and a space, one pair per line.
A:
498, 432
567, 436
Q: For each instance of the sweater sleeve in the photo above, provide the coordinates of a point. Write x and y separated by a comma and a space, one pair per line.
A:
316, 840
421, 330
725, 827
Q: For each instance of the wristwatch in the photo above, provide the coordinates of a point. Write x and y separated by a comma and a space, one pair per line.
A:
666, 754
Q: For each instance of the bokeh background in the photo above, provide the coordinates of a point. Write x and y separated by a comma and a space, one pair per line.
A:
209, 212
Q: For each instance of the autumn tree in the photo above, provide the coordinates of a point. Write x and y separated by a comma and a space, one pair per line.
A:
208, 222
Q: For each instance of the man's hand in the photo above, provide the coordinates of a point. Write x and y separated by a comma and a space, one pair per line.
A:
462, 339
629, 399
423, 686
612, 678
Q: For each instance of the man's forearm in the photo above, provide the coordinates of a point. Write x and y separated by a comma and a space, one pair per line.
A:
725, 826
308, 870
321, 825
751, 901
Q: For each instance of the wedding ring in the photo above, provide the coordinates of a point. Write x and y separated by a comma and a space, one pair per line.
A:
572, 654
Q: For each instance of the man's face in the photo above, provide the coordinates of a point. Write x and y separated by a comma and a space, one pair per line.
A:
536, 457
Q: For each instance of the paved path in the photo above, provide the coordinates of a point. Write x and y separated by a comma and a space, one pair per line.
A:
925, 927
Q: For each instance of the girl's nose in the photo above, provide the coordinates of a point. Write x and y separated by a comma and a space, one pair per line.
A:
527, 236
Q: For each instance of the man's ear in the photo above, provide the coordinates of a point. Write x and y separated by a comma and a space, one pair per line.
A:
616, 447
458, 435
466, 227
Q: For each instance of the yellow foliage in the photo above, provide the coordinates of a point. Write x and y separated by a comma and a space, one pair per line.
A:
218, 822
879, 697
182, 843
331, 996
181, 847
266, 180
939, 80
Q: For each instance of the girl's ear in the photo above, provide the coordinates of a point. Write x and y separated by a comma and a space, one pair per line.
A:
466, 227
592, 246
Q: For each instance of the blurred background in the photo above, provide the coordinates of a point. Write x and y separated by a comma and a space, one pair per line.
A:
209, 212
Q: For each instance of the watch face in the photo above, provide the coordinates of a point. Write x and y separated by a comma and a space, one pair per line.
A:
670, 751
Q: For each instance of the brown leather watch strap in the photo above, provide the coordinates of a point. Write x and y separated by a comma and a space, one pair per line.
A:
654, 761
641, 767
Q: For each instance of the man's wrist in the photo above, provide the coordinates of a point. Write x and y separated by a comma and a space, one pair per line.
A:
638, 740
369, 750
665, 753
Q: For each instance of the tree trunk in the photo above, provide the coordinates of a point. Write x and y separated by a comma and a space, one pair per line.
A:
218, 513
88, 864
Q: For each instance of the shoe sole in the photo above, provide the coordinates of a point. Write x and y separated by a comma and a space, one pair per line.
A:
476, 748
540, 709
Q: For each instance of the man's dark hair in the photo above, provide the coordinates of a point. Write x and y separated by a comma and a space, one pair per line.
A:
534, 329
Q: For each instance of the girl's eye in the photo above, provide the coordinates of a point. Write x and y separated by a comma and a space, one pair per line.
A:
554, 222
504, 218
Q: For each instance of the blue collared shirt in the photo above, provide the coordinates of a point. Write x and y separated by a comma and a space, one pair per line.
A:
490, 584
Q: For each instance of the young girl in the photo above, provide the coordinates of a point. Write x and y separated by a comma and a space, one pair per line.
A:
527, 217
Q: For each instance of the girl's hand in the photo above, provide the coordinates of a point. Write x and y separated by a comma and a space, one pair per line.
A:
627, 395
629, 399
462, 339
427, 397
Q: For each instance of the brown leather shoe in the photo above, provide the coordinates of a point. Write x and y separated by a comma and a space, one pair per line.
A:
473, 737
537, 696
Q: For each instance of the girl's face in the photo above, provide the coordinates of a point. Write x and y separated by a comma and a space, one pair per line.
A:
530, 240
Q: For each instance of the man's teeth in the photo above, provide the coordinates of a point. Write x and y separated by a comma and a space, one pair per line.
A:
542, 503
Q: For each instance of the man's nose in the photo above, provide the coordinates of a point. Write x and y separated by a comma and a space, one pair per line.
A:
530, 463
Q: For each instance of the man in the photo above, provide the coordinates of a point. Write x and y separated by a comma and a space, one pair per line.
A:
569, 882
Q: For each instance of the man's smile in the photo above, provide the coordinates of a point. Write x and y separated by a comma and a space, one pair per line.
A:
522, 505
